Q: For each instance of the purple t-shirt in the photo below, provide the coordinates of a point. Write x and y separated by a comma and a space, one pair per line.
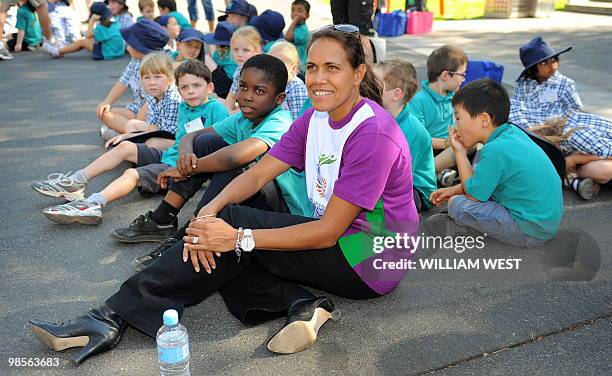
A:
375, 173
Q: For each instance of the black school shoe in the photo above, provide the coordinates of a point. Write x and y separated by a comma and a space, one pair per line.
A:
142, 262
305, 318
145, 229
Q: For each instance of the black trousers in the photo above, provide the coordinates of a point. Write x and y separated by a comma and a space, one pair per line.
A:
262, 286
355, 12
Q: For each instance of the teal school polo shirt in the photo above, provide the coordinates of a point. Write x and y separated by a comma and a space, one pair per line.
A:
181, 20
27, 21
419, 141
516, 173
433, 110
237, 128
113, 45
301, 37
208, 112
226, 62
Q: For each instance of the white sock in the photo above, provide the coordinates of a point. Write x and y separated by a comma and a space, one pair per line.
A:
97, 197
79, 177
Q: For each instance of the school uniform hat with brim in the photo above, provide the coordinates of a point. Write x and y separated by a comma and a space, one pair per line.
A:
240, 7
188, 35
145, 36
222, 35
270, 25
537, 51
163, 19
101, 10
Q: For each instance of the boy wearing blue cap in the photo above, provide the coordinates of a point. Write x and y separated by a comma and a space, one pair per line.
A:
141, 38
514, 192
173, 29
195, 112
221, 63
169, 7
238, 13
104, 40
298, 32
270, 25
190, 46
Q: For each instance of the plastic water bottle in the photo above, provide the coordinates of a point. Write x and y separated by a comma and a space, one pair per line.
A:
173, 346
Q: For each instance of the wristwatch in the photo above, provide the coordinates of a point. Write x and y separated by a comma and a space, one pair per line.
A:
247, 243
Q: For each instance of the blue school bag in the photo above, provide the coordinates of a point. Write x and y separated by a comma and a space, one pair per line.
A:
391, 24
477, 69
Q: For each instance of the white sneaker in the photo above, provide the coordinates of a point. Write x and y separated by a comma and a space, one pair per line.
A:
81, 211
4, 53
60, 185
106, 133
51, 48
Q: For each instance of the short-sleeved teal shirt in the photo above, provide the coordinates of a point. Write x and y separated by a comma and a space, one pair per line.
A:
307, 104
209, 112
267, 46
181, 20
301, 37
27, 21
226, 62
516, 173
113, 45
237, 128
419, 141
433, 110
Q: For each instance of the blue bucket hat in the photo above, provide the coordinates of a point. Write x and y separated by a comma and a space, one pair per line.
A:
101, 10
240, 7
222, 35
145, 36
270, 25
537, 51
162, 20
188, 35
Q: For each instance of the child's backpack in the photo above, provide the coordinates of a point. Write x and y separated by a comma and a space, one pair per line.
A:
552, 151
477, 69
390, 24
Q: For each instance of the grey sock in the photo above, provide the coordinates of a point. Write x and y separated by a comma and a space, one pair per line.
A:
79, 177
97, 197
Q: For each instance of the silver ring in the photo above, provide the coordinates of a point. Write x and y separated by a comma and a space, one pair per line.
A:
195, 240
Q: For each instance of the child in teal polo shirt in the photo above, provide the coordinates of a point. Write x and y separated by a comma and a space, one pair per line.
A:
399, 85
298, 32
513, 194
220, 153
103, 38
432, 105
29, 35
169, 7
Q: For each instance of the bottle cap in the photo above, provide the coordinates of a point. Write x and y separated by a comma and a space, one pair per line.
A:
171, 317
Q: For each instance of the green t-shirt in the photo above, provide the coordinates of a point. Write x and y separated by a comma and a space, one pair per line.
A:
433, 110
226, 62
307, 104
209, 113
27, 21
113, 45
269, 45
181, 20
174, 55
301, 37
237, 128
515, 172
419, 141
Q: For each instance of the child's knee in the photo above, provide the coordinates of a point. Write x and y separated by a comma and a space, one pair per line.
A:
131, 173
455, 205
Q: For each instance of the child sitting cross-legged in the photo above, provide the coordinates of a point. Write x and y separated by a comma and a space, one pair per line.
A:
514, 192
399, 85
196, 111
221, 153
103, 38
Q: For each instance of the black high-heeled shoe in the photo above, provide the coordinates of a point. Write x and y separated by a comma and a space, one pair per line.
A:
97, 331
305, 318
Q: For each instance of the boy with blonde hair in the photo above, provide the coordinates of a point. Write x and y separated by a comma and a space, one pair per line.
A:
399, 85
296, 89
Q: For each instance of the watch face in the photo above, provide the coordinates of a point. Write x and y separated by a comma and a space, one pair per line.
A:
248, 243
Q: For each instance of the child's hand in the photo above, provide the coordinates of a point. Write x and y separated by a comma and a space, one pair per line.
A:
437, 197
102, 108
17, 48
186, 164
114, 141
162, 179
455, 141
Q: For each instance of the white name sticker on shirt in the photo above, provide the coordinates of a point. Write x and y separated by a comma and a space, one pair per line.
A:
194, 125
549, 95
